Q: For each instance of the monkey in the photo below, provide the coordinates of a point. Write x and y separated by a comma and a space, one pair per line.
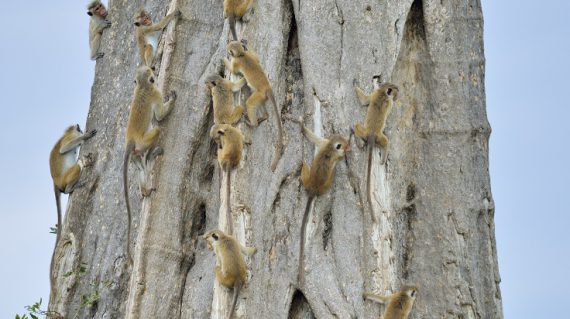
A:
140, 135
148, 34
98, 22
64, 166
230, 145
399, 305
379, 103
222, 91
230, 268
235, 10
247, 63
319, 178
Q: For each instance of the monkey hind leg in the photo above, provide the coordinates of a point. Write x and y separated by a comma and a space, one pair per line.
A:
148, 55
305, 174
71, 177
95, 44
148, 141
223, 279
382, 140
252, 102
361, 131
236, 115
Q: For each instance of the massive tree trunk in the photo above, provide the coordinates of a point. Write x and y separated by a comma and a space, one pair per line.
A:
433, 201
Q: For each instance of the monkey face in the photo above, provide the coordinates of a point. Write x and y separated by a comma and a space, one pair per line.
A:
143, 18
98, 9
145, 76
389, 90
410, 291
212, 81
236, 49
340, 146
212, 237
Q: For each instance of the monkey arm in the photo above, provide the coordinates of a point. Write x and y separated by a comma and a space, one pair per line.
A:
377, 298
229, 65
320, 142
247, 250
71, 144
160, 25
161, 109
362, 98
237, 85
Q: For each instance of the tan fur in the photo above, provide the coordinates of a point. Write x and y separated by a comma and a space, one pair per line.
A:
319, 178
247, 63
97, 24
231, 271
65, 171
146, 29
222, 91
141, 136
230, 146
234, 10
64, 167
399, 305
379, 103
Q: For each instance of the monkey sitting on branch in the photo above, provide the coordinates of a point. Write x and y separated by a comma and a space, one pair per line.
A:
98, 22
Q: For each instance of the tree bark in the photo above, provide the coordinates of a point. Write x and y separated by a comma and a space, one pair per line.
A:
433, 200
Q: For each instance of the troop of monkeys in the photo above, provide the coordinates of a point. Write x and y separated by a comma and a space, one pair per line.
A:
141, 139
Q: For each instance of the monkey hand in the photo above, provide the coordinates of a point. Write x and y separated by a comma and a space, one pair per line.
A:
107, 23
91, 133
173, 96
354, 82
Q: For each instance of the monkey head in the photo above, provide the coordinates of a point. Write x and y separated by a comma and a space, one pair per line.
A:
213, 81
410, 291
338, 146
212, 238
389, 91
219, 130
236, 49
97, 8
143, 18
75, 129
145, 76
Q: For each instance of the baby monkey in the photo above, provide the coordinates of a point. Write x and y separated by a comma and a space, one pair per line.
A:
247, 63
235, 10
379, 103
319, 178
64, 167
148, 34
399, 305
147, 104
230, 268
222, 91
98, 22
230, 146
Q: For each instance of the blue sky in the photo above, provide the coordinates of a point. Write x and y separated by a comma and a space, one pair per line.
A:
46, 86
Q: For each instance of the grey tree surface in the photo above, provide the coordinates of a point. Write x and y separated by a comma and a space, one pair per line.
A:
433, 200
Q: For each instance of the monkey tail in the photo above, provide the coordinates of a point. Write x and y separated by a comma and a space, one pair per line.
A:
229, 220
128, 151
232, 21
301, 271
279, 145
237, 287
58, 205
371, 140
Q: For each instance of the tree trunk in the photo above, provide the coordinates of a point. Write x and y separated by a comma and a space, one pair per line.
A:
433, 201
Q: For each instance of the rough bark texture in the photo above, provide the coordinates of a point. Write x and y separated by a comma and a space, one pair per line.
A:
435, 211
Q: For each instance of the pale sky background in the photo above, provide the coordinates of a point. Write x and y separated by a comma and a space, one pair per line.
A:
46, 86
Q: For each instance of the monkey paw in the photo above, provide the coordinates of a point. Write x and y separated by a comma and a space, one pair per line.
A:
173, 95
92, 133
98, 56
107, 23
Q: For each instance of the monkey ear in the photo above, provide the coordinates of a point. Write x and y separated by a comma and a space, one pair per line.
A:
389, 92
220, 132
215, 236
137, 24
151, 79
89, 13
